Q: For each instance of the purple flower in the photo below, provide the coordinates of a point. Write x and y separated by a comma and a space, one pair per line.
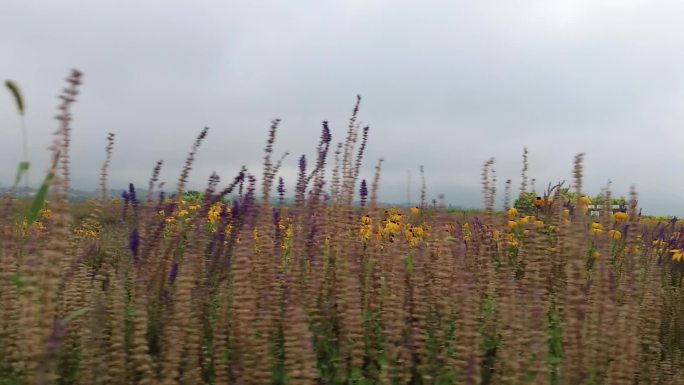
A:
133, 198
302, 164
276, 217
236, 208
125, 196
134, 242
281, 190
363, 192
325, 136
174, 273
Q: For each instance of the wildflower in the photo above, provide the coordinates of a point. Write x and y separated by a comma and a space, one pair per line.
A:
512, 213
596, 228
392, 228
214, 213
512, 225
538, 202
134, 242
585, 200
615, 234
539, 224
566, 212
415, 210
621, 216
524, 220
513, 241
182, 213
555, 229
363, 192
677, 255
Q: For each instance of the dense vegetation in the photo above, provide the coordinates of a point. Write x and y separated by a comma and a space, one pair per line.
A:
225, 286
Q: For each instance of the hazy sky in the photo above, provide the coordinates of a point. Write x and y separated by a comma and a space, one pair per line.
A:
446, 84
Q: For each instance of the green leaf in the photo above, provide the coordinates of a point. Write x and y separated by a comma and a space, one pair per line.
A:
41, 195
18, 280
23, 167
71, 316
16, 93
409, 264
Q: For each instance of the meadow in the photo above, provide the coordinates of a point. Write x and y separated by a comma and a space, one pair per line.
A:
231, 286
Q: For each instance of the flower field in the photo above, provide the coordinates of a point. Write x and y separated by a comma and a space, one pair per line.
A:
235, 286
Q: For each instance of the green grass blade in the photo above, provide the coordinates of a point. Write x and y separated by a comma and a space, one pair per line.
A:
41, 195
16, 93
23, 167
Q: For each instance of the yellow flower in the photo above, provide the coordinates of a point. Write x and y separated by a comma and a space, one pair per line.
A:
539, 224
585, 200
512, 213
596, 254
392, 228
677, 255
615, 234
566, 212
596, 228
415, 210
538, 202
621, 216
513, 241
512, 224
46, 213
524, 220
555, 229
182, 213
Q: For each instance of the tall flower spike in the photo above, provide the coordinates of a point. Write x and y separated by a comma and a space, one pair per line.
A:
363, 192
153, 180
183, 179
132, 196
300, 191
281, 190
103, 171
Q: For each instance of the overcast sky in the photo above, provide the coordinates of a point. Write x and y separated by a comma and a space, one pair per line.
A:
445, 84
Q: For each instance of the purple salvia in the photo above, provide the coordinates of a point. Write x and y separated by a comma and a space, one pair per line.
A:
363, 192
173, 274
300, 191
325, 135
134, 243
133, 198
281, 190
236, 208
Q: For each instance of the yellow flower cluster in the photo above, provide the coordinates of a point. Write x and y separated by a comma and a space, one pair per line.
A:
677, 255
393, 226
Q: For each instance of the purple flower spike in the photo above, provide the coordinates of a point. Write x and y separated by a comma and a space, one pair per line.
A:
131, 192
363, 192
174, 273
326, 133
281, 190
134, 242
302, 164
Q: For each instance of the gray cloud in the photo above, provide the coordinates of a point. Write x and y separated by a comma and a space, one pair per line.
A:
445, 84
